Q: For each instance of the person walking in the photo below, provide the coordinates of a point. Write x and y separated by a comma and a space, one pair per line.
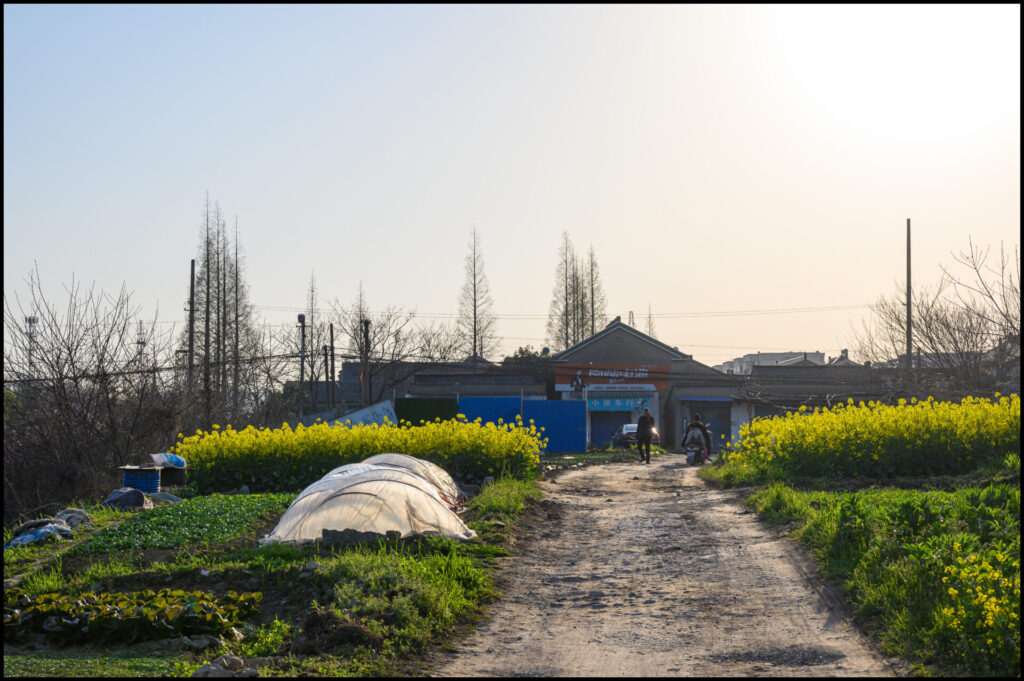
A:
643, 434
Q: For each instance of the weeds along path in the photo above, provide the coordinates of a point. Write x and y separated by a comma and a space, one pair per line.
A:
634, 570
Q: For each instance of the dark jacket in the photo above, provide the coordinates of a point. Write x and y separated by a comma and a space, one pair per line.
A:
644, 426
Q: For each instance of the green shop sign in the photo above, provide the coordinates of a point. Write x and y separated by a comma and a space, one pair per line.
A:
618, 403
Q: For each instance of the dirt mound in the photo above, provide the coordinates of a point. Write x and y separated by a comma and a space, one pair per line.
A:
323, 631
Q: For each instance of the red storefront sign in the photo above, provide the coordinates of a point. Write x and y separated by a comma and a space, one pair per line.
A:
611, 377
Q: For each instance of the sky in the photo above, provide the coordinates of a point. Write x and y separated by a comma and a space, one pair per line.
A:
743, 173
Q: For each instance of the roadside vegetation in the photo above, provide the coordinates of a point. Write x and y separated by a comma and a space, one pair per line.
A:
161, 592
919, 438
913, 509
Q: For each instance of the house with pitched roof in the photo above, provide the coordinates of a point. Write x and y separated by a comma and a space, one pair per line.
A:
620, 370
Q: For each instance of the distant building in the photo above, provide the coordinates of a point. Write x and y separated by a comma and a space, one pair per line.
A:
742, 366
843, 360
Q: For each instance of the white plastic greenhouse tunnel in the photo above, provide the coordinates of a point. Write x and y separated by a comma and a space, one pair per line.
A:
382, 493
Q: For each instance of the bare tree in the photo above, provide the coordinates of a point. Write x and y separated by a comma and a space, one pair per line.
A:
563, 313
390, 345
82, 395
476, 321
966, 331
992, 293
598, 316
317, 336
229, 332
650, 322
577, 301
273, 398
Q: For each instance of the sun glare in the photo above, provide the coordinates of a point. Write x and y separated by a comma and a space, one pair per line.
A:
906, 73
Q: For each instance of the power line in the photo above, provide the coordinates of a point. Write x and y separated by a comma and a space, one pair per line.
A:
658, 315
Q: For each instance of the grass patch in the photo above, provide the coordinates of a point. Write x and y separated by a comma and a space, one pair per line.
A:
47, 580
506, 498
265, 640
937, 572
85, 665
115, 566
492, 513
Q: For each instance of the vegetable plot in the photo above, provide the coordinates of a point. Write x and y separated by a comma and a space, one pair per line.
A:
194, 522
123, 617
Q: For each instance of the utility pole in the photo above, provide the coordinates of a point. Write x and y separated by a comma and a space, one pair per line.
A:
334, 378
222, 242
235, 405
140, 341
191, 324
910, 357
180, 358
302, 360
327, 372
206, 325
366, 363
31, 322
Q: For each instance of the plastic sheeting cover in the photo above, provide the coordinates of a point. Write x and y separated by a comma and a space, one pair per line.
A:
369, 498
430, 471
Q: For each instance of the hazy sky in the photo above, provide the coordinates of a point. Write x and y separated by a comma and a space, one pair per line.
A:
717, 158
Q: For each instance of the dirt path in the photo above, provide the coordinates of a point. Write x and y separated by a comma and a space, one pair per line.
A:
647, 571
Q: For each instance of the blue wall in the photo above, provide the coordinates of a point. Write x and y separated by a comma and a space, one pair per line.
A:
564, 423
490, 409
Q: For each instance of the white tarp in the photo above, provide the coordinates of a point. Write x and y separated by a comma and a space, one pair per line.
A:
369, 498
433, 473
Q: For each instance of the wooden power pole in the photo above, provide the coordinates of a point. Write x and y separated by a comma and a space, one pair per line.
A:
334, 379
191, 324
910, 356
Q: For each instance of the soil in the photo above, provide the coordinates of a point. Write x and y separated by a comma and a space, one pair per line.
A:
646, 570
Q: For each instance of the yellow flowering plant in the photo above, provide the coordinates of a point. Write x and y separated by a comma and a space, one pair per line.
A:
876, 440
283, 458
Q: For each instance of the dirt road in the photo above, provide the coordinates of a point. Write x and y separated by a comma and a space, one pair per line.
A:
635, 570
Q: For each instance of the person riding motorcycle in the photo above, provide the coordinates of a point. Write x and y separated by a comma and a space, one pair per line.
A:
700, 434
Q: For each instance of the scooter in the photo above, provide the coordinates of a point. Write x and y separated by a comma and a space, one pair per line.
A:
696, 454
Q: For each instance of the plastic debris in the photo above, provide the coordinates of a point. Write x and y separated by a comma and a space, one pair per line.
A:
39, 530
127, 498
168, 459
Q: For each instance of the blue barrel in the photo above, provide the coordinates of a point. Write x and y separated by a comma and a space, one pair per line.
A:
144, 479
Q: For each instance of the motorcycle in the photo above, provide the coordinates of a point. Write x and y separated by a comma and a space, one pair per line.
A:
695, 455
